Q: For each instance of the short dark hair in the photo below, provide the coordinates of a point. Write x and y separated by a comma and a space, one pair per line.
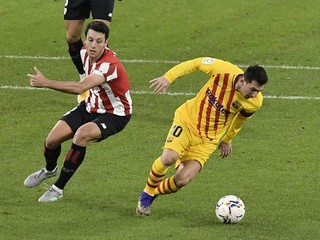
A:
256, 73
98, 26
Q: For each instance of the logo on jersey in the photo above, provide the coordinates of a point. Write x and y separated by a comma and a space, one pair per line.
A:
103, 125
214, 102
207, 60
169, 139
236, 104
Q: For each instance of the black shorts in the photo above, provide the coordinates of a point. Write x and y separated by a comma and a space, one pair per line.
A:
108, 123
80, 9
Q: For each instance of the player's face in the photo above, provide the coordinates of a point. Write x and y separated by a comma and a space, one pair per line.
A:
250, 90
95, 44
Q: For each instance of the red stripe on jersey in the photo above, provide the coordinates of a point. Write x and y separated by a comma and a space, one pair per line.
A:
89, 71
121, 91
126, 105
233, 90
103, 95
220, 100
208, 113
110, 70
200, 114
215, 82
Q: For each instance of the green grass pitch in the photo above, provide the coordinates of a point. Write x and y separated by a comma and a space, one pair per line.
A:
274, 167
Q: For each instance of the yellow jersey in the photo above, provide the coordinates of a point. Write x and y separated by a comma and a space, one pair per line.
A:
213, 109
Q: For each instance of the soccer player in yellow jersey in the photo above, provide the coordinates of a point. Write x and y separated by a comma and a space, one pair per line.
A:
202, 124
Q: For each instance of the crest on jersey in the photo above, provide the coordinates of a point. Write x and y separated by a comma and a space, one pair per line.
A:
169, 139
236, 104
207, 60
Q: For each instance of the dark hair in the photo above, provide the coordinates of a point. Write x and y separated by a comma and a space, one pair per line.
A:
98, 26
256, 73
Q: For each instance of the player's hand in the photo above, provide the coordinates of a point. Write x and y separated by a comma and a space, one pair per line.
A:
37, 80
159, 84
225, 149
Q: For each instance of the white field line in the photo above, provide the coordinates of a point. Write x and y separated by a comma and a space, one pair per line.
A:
162, 61
155, 61
167, 93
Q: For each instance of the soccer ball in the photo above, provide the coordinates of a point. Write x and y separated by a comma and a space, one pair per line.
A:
230, 209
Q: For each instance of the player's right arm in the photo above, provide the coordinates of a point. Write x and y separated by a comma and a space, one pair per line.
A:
159, 84
73, 87
204, 64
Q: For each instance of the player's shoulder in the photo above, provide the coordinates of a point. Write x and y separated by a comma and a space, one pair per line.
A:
108, 57
252, 104
221, 65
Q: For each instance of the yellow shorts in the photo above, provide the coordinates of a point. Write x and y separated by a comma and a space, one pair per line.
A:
189, 145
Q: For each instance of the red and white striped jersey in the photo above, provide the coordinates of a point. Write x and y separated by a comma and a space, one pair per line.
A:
113, 96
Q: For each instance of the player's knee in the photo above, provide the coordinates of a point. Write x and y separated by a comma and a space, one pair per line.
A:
81, 136
51, 143
72, 37
169, 157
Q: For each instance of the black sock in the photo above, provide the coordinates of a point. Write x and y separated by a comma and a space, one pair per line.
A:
73, 161
51, 156
74, 51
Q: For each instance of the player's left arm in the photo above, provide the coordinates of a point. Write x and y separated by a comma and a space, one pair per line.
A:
225, 144
236, 125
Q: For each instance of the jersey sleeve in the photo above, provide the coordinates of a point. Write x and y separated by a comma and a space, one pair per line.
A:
206, 65
235, 127
249, 107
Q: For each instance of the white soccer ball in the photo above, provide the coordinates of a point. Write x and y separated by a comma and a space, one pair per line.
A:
230, 209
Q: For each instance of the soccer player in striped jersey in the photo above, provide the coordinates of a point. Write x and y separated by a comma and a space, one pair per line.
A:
202, 124
105, 112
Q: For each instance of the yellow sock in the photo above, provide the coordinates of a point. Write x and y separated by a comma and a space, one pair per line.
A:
156, 175
167, 186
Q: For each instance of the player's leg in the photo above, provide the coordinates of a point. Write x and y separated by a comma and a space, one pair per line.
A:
75, 44
177, 141
52, 149
157, 173
159, 169
87, 133
189, 146
102, 10
188, 166
99, 129
74, 41
185, 173
62, 131
75, 13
